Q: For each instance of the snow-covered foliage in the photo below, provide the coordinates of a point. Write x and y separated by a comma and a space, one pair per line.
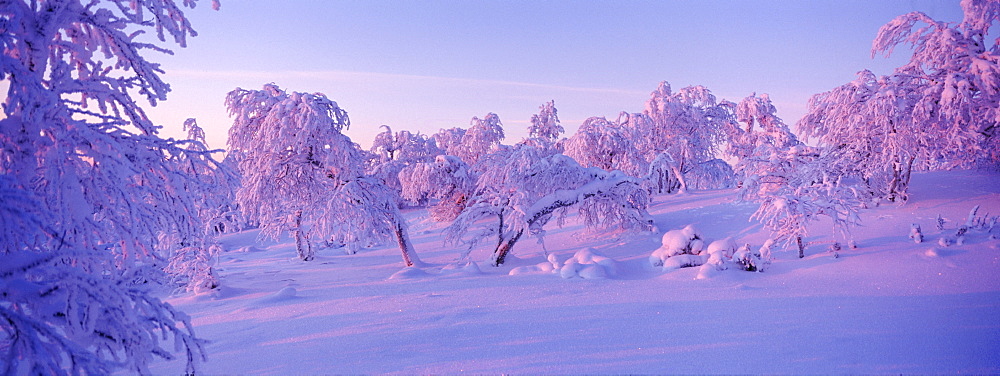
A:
396, 151
752, 261
523, 189
404, 146
690, 125
725, 255
218, 181
292, 154
793, 183
940, 110
212, 185
301, 173
588, 264
448, 179
366, 214
796, 185
606, 145
685, 242
86, 188
449, 140
545, 130
764, 137
193, 267
661, 176
712, 174
980, 223
482, 138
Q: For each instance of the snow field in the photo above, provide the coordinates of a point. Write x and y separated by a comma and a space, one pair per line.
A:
889, 306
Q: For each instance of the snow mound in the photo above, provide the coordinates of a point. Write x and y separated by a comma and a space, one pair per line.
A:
721, 250
248, 249
285, 294
540, 268
686, 241
409, 273
684, 261
588, 264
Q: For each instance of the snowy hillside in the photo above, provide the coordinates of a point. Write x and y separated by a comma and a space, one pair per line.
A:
889, 306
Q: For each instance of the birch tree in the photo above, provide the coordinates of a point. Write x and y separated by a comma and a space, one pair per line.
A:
87, 185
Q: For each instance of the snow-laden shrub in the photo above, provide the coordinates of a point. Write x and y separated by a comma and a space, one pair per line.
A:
686, 241
725, 255
588, 264
684, 261
765, 250
191, 268
748, 260
984, 223
720, 250
915, 234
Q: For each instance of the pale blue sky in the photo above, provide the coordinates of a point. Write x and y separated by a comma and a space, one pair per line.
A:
426, 65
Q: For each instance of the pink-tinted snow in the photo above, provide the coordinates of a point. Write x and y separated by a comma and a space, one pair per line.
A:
889, 306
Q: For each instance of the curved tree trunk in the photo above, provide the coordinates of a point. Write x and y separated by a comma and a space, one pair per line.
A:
403, 239
504, 248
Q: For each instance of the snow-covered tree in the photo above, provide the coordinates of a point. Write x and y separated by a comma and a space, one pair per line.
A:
523, 189
86, 187
712, 174
449, 140
761, 127
301, 173
662, 175
404, 146
361, 212
606, 145
940, 110
689, 125
482, 138
799, 187
395, 151
292, 155
448, 179
764, 136
212, 184
545, 130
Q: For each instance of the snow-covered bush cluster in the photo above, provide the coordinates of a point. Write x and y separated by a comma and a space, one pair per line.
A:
588, 264
686, 248
679, 248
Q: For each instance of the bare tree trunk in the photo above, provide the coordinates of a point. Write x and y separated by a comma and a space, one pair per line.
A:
302, 246
504, 248
802, 248
409, 256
